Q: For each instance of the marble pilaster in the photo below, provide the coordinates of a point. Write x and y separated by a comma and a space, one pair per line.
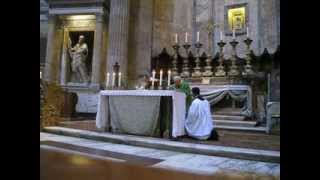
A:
118, 35
48, 74
97, 54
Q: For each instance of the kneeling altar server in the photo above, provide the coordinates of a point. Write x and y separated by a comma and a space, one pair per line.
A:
199, 124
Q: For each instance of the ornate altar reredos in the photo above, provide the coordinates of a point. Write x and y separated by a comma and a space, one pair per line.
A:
232, 84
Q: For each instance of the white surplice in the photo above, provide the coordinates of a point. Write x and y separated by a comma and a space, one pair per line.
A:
199, 122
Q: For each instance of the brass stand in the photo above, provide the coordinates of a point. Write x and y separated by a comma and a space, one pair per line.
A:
197, 69
186, 70
248, 68
175, 60
208, 68
234, 69
220, 69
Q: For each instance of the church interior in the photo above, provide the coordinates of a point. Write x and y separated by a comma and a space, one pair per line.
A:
108, 86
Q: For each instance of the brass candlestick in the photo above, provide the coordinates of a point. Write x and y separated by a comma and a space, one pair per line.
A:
208, 68
186, 70
220, 69
116, 69
248, 68
175, 60
234, 69
197, 72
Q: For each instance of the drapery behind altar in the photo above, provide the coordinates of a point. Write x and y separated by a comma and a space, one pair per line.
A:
242, 93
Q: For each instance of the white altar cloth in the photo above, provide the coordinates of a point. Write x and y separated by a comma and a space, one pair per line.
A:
178, 105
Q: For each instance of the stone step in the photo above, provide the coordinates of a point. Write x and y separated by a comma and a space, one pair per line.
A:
228, 113
228, 117
165, 144
239, 128
234, 123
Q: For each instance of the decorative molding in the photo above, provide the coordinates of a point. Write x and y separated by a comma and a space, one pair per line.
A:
77, 10
85, 24
78, 3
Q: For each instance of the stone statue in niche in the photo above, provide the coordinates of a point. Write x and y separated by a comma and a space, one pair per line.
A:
79, 54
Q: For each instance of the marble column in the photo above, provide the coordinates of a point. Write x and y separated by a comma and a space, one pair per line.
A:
48, 73
97, 55
118, 36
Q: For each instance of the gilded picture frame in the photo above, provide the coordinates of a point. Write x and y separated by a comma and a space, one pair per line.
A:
236, 17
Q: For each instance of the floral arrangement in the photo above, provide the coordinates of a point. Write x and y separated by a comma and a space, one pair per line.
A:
51, 105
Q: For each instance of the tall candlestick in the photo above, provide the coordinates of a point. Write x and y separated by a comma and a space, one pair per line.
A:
161, 73
176, 38
113, 78
198, 36
108, 77
233, 34
169, 77
248, 32
186, 39
119, 82
153, 77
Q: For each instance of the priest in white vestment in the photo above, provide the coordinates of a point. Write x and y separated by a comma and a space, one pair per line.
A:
199, 124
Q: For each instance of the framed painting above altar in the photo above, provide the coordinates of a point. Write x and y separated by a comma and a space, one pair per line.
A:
236, 17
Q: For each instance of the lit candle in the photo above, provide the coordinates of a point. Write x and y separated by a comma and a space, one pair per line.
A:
119, 82
233, 34
221, 36
40, 75
198, 36
176, 38
247, 32
169, 77
161, 73
186, 37
113, 78
153, 77
108, 77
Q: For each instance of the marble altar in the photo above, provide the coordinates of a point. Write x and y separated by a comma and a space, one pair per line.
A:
124, 110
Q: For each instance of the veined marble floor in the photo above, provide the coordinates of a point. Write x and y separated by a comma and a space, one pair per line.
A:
200, 164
